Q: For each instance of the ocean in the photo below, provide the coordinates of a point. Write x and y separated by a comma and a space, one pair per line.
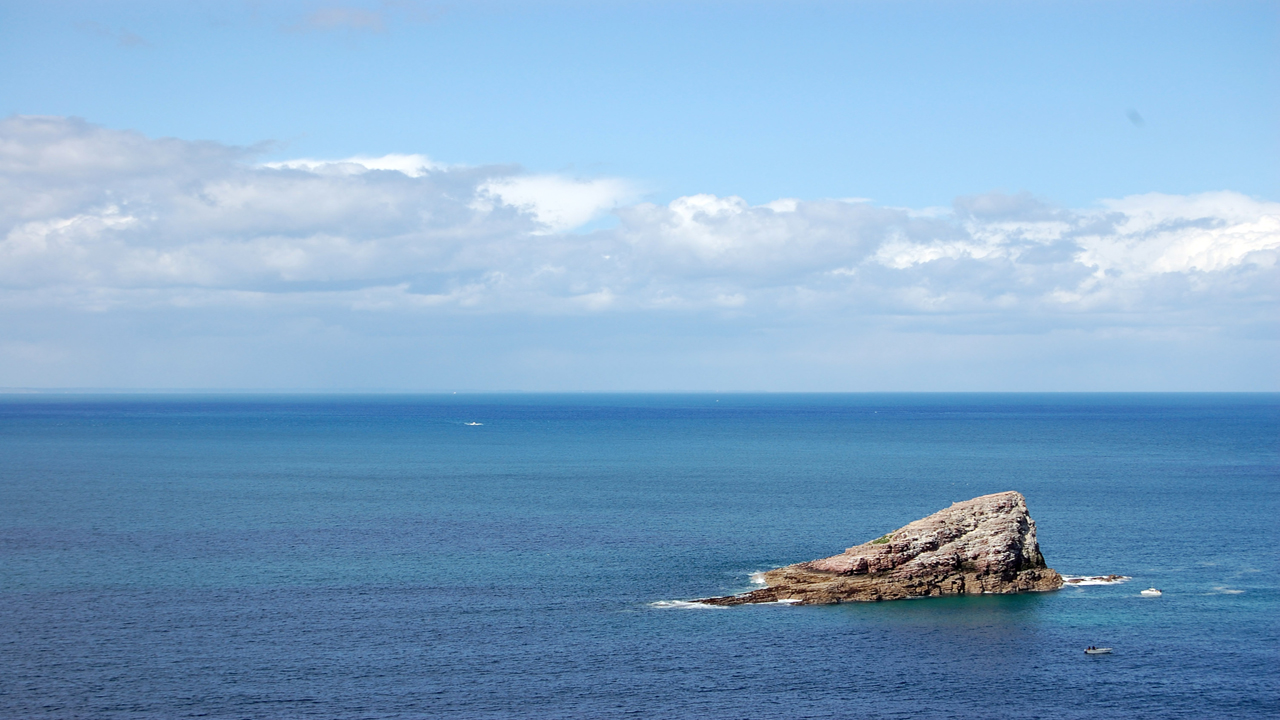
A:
497, 556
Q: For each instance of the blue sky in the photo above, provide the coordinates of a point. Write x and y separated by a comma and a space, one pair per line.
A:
640, 196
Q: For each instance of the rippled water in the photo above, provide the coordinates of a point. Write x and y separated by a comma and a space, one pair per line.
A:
364, 557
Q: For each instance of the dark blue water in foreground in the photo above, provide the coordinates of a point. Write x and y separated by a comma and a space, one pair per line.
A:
370, 557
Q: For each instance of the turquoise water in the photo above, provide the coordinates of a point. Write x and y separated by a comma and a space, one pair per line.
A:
368, 557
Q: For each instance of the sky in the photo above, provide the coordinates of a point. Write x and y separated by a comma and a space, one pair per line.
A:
640, 196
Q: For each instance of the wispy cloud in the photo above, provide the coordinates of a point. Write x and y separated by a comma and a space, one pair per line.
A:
363, 18
344, 18
123, 37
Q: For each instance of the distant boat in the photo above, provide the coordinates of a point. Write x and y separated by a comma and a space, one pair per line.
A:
473, 423
1151, 592
1097, 651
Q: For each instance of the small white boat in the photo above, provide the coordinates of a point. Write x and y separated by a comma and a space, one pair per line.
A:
1097, 651
473, 423
1151, 592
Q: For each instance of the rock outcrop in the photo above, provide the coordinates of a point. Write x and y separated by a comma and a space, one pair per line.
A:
984, 545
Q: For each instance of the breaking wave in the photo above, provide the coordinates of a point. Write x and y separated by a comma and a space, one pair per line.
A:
1078, 580
684, 605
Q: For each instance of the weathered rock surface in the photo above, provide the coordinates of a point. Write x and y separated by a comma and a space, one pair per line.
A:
984, 545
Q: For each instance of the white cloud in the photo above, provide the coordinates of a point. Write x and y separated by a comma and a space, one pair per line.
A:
410, 165
1178, 234
104, 219
558, 203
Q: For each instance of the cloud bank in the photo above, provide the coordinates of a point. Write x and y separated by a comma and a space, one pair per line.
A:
96, 220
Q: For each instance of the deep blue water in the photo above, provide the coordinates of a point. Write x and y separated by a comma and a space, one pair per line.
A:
370, 557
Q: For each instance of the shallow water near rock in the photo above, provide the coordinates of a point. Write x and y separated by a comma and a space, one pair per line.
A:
364, 557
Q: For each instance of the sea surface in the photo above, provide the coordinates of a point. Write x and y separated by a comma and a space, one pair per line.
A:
496, 556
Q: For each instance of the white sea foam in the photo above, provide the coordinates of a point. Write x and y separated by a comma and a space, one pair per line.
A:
757, 578
1079, 580
1223, 590
683, 605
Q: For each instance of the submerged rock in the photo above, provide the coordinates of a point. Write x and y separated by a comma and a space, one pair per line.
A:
984, 545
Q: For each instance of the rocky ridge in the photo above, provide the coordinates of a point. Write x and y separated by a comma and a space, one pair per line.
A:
984, 545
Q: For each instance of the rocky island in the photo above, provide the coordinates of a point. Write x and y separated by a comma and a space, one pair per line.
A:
984, 545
